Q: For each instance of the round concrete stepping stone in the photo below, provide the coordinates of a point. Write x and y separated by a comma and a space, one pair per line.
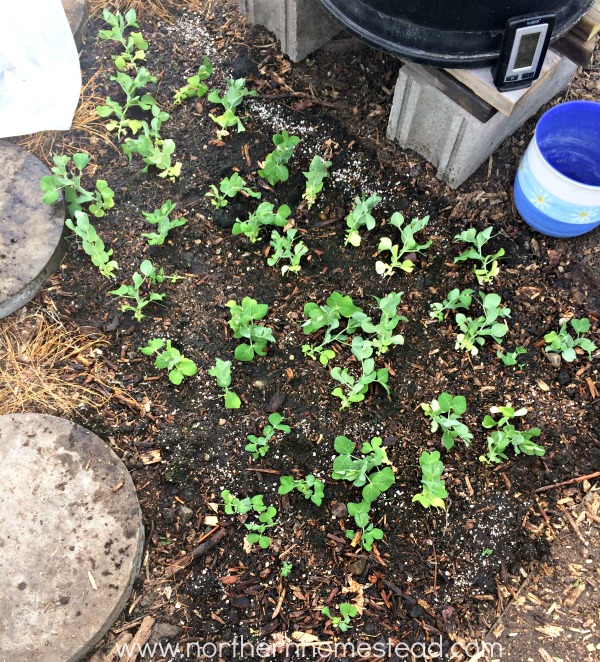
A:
76, 12
71, 538
31, 244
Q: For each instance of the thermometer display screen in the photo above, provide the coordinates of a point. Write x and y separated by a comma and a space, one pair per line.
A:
527, 47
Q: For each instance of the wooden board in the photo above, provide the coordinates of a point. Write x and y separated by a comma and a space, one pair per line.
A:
481, 82
589, 26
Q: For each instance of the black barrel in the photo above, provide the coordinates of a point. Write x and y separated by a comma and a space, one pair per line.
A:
445, 33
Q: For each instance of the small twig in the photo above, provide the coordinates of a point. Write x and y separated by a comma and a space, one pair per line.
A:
579, 479
210, 539
264, 471
546, 519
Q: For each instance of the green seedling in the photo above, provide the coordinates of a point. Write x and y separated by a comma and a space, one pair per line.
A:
263, 216
434, 490
266, 520
274, 169
134, 44
75, 195
360, 470
487, 552
234, 95
475, 331
242, 323
337, 308
369, 534
229, 187
156, 276
284, 249
133, 291
170, 359
133, 99
259, 446
286, 569
445, 414
388, 321
161, 218
318, 171
341, 622
312, 488
506, 435
488, 269
234, 506
92, 244
408, 245
360, 216
152, 148
221, 371
564, 343
353, 389
195, 84
455, 299
510, 358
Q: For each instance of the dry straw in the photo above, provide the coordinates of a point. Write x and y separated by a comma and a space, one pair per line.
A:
46, 367
162, 9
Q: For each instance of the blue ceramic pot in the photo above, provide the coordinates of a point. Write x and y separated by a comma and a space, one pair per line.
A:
557, 188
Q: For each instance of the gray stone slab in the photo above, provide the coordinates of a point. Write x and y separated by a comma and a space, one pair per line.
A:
31, 244
77, 15
302, 26
425, 119
71, 539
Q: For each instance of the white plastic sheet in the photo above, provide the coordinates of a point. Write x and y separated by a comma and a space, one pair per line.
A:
40, 78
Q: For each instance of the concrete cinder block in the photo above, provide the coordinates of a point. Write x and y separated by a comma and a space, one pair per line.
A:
302, 26
425, 119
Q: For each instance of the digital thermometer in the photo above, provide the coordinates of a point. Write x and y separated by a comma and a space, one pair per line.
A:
524, 47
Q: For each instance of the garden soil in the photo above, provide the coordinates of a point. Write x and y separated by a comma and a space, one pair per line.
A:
436, 575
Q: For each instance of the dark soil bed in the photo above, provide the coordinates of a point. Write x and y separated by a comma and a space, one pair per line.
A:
431, 575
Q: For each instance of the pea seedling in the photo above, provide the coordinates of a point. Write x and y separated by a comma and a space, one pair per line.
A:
259, 446
170, 359
488, 269
359, 471
274, 169
360, 216
92, 244
242, 323
564, 343
455, 299
234, 95
75, 195
341, 622
506, 435
318, 171
445, 414
221, 371
510, 358
284, 249
161, 218
264, 215
130, 87
134, 45
229, 187
195, 86
434, 489
475, 331
310, 487
133, 291
408, 245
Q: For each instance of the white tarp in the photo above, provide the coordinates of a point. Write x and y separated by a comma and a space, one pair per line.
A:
40, 78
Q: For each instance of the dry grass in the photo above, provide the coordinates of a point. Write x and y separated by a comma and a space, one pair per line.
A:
87, 127
46, 367
162, 9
